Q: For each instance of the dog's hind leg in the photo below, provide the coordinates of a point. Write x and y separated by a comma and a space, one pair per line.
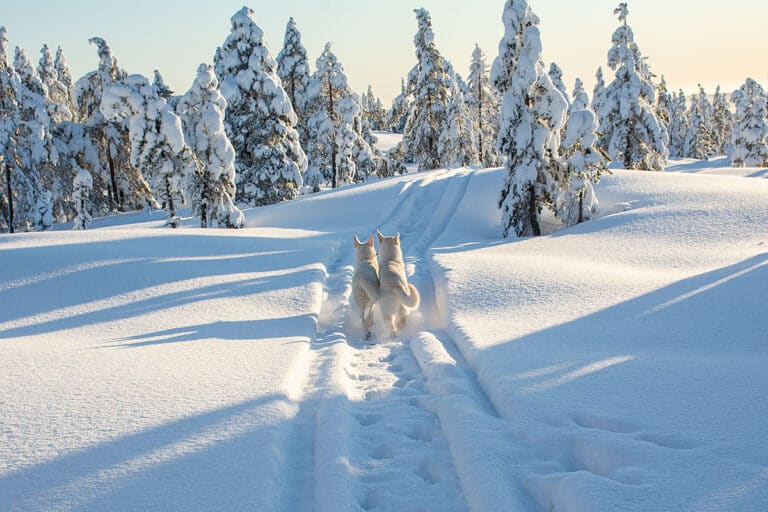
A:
401, 318
368, 320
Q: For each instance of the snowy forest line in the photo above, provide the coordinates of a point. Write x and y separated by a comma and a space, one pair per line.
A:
254, 130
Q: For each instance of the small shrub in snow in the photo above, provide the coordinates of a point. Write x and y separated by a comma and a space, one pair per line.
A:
83, 185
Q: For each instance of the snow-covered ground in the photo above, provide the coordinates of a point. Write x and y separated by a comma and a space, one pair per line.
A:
619, 365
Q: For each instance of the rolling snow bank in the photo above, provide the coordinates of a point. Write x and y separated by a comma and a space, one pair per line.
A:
629, 354
619, 365
150, 369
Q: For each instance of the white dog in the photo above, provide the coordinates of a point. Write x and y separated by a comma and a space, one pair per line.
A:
365, 283
397, 298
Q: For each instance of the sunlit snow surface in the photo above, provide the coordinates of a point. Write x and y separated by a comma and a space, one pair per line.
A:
618, 365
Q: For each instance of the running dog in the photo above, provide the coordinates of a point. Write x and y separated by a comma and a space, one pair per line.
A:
365, 283
397, 298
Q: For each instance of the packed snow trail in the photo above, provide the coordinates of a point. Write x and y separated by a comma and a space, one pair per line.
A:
366, 440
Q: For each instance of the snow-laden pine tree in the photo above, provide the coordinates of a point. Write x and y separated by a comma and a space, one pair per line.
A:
81, 195
117, 184
57, 94
161, 89
533, 114
700, 142
157, 139
631, 133
484, 110
369, 159
36, 152
556, 75
749, 139
334, 142
64, 76
260, 120
722, 120
16, 188
293, 69
398, 112
663, 104
678, 125
584, 161
457, 140
429, 84
211, 190
598, 93
373, 110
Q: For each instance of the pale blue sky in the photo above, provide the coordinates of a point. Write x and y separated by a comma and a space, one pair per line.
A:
689, 41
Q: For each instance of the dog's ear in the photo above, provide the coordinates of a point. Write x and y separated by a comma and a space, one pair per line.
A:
370, 240
381, 237
357, 241
397, 237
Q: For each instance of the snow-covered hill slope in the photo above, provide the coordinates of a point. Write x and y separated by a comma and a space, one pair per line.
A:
620, 365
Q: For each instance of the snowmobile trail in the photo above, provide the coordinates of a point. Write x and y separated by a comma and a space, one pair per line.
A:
470, 422
321, 448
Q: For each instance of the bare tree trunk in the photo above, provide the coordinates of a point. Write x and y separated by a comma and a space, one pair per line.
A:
114, 193
480, 123
533, 211
172, 221
204, 221
10, 196
334, 180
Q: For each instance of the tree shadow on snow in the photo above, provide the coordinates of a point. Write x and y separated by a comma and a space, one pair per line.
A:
226, 458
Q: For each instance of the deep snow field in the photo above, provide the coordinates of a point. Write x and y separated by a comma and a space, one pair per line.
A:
621, 365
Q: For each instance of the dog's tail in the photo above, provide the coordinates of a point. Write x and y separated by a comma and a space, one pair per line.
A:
411, 299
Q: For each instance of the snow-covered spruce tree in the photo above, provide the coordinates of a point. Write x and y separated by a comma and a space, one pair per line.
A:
598, 93
368, 158
749, 139
429, 84
211, 189
81, 196
57, 95
260, 121
585, 163
157, 139
15, 185
65, 77
678, 124
373, 110
700, 142
59, 106
722, 120
333, 138
37, 155
533, 114
456, 144
398, 112
556, 75
631, 133
484, 110
663, 104
117, 184
161, 89
293, 70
